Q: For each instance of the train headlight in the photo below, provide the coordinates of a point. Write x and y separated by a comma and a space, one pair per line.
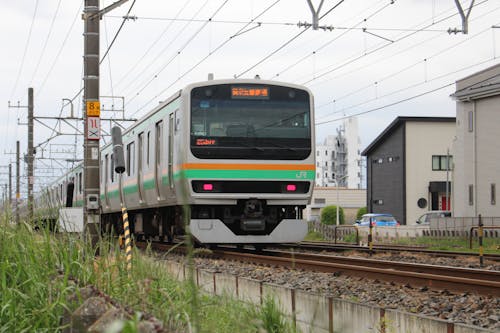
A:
291, 187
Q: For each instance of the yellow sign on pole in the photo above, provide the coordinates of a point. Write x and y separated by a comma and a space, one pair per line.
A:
93, 109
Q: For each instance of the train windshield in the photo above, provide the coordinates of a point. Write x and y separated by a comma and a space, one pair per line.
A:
249, 121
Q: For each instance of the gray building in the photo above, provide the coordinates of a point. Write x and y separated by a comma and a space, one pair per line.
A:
407, 167
477, 146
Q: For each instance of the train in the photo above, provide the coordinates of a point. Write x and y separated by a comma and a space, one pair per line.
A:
238, 153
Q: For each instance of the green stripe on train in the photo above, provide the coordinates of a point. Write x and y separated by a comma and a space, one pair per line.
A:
220, 174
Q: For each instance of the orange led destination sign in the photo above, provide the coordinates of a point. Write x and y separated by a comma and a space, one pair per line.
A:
205, 142
250, 92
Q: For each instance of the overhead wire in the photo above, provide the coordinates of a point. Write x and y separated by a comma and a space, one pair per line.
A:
148, 50
238, 33
287, 42
44, 81
379, 48
25, 50
179, 51
117, 33
159, 54
423, 61
331, 41
44, 47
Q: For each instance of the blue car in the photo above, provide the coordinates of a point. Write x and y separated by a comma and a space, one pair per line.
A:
378, 220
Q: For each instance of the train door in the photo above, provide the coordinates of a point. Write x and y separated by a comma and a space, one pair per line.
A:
158, 150
140, 166
171, 150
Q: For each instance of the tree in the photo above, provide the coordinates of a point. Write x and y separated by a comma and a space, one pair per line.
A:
329, 215
362, 211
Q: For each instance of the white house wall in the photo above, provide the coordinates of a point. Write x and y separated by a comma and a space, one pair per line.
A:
424, 139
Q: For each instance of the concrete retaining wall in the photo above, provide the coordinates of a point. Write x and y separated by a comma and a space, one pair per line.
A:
319, 313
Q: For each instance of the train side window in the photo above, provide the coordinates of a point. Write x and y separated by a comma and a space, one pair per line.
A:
112, 169
80, 182
147, 150
130, 158
158, 142
106, 168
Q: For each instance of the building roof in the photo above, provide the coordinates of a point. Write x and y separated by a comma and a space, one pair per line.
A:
482, 84
399, 121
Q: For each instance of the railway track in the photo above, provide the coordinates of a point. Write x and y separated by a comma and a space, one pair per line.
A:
324, 246
478, 281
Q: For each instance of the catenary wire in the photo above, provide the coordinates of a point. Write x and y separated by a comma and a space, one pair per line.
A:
46, 42
210, 53
25, 50
181, 49
286, 43
60, 49
159, 54
122, 79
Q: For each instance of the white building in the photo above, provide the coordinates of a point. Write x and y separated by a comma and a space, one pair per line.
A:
477, 145
338, 158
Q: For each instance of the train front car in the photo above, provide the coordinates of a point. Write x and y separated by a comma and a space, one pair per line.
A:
250, 165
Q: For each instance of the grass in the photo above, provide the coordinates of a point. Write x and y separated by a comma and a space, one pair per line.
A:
458, 244
38, 272
314, 236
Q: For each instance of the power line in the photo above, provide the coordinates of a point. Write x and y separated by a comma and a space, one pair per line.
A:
387, 105
238, 33
25, 50
60, 49
423, 61
151, 46
331, 41
190, 39
148, 80
117, 33
286, 43
381, 47
46, 42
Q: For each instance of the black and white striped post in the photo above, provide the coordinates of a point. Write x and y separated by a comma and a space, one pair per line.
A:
119, 162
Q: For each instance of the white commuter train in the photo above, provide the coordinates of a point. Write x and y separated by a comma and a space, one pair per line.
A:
239, 153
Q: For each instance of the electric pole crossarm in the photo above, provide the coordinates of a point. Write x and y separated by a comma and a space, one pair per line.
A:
102, 12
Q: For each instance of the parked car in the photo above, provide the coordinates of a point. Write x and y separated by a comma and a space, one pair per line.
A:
379, 220
425, 219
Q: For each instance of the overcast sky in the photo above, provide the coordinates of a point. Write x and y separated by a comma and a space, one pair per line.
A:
380, 61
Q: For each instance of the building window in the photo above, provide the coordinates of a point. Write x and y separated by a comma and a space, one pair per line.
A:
493, 194
326, 152
319, 200
378, 202
441, 162
317, 164
317, 153
326, 163
326, 174
471, 195
471, 121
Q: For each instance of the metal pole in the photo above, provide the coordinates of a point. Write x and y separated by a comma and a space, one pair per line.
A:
10, 185
91, 120
338, 202
18, 193
481, 250
447, 179
30, 154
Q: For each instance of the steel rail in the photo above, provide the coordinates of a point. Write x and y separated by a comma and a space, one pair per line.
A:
435, 277
477, 281
322, 246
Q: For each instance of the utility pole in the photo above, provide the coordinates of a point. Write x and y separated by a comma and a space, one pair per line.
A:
18, 193
92, 114
30, 154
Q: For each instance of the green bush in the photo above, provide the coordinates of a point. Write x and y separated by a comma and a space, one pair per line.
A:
362, 211
329, 215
